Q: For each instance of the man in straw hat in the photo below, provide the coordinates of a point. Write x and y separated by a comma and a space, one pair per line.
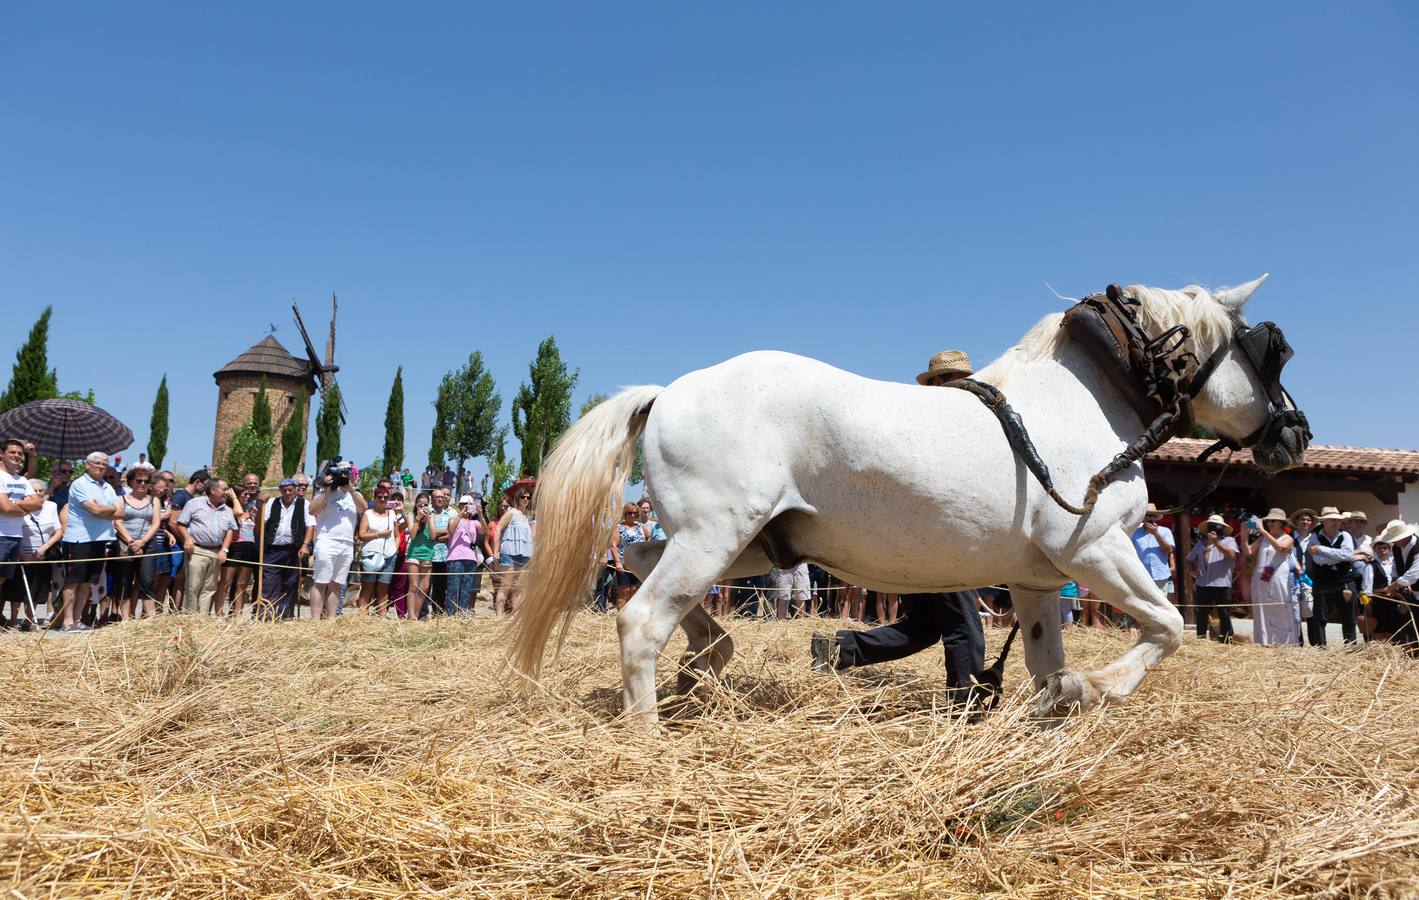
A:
1154, 543
1213, 560
948, 365
949, 616
1400, 536
1329, 552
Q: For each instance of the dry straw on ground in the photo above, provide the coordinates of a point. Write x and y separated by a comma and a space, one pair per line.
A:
189, 758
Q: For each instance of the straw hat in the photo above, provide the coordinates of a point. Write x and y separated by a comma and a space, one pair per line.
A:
1277, 514
1152, 510
1303, 511
1216, 519
1330, 512
1357, 516
947, 362
1396, 530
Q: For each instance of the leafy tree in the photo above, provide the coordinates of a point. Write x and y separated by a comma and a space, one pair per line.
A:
541, 411
32, 378
473, 404
638, 464
394, 423
261, 412
369, 477
501, 470
438, 440
327, 426
293, 438
158, 426
247, 451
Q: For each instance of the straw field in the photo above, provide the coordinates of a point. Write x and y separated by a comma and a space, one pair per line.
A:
190, 758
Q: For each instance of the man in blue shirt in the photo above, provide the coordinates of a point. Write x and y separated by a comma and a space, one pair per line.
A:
93, 508
1154, 544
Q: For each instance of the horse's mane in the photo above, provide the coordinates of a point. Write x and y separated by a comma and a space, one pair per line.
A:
1208, 321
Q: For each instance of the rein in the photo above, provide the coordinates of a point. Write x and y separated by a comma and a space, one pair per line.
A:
1156, 376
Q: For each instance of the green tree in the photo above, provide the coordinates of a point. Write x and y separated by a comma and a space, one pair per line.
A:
541, 411
501, 470
327, 426
473, 404
32, 378
438, 440
293, 438
248, 451
369, 477
158, 426
261, 412
394, 423
638, 464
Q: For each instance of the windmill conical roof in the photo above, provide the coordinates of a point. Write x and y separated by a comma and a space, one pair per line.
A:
267, 357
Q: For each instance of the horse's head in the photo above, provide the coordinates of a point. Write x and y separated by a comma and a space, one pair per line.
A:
1241, 396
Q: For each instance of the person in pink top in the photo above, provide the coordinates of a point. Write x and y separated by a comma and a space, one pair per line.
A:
467, 536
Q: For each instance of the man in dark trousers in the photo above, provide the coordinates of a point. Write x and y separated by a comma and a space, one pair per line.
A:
949, 616
287, 534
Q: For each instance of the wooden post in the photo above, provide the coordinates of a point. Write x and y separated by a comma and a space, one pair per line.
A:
260, 554
1182, 589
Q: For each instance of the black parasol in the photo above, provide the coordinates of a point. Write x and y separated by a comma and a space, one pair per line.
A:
66, 429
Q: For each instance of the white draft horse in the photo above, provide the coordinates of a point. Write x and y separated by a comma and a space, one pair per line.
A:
771, 457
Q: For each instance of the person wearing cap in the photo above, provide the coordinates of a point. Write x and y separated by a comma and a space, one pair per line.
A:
1154, 543
1213, 560
1404, 550
1356, 522
286, 535
1329, 552
948, 617
1276, 616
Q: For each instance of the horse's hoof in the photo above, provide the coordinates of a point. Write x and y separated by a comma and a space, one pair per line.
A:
1066, 692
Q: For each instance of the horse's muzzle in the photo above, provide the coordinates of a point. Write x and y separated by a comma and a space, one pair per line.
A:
1283, 449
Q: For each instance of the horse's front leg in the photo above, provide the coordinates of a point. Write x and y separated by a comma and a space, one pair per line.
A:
1061, 690
1113, 573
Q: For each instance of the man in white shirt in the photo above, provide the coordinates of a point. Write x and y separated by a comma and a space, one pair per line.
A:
17, 500
336, 509
1404, 545
1330, 551
287, 533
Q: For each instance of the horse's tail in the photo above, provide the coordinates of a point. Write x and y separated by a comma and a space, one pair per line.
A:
579, 497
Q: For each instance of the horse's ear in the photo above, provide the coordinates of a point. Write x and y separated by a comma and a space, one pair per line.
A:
1235, 298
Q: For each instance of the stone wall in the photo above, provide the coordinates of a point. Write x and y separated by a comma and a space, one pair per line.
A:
236, 394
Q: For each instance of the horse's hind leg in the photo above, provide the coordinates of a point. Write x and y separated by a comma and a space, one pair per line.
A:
1111, 569
670, 591
708, 652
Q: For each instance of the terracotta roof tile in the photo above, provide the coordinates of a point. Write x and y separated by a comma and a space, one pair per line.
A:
1319, 457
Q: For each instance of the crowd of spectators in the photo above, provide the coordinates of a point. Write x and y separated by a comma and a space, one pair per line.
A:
122, 545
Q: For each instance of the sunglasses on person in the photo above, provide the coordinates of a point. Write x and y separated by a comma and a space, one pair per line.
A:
137, 481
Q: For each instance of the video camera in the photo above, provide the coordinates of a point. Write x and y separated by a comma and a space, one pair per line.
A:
335, 473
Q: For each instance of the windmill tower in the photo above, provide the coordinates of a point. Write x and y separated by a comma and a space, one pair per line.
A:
237, 384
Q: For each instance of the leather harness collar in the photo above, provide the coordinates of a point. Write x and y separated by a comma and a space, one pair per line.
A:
1158, 378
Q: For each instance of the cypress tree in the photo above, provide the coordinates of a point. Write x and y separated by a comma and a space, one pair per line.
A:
541, 410
32, 378
327, 426
158, 426
394, 423
293, 438
261, 411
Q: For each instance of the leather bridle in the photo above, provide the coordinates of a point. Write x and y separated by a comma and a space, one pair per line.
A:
1160, 380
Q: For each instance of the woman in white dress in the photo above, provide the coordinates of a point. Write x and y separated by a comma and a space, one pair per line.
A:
1276, 616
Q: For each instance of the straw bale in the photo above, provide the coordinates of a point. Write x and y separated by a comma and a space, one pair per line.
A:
190, 758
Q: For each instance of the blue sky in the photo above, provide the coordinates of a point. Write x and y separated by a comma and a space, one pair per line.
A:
662, 187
